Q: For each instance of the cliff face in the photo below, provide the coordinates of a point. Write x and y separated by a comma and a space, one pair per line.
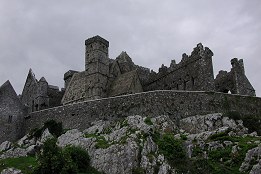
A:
209, 143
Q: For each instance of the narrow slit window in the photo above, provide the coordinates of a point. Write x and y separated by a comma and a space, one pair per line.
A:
10, 119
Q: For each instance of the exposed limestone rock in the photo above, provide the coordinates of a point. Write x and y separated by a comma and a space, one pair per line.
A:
164, 123
76, 138
207, 134
5, 146
13, 153
31, 150
256, 169
122, 146
46, 135
164, 168
116, 135
97, 127
137, 122
11, 171
210, 122
26, 141
116, 158
252, 156
214, 145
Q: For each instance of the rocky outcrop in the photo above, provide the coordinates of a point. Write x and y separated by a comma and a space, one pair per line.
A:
135, 144
5, 146
11, 171
210, 122
253, 156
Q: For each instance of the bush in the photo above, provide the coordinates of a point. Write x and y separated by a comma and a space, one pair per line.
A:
171, 148
79, 156
51, 160
148, 121
220, 153
233, 115
56, 129
138, 170
25, 164
70, 160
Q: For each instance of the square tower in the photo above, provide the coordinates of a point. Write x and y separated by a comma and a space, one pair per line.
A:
96, 67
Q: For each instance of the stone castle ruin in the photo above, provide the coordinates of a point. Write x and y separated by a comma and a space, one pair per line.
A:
104, 77
120, 87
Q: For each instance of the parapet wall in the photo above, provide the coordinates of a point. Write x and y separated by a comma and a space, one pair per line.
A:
176, 104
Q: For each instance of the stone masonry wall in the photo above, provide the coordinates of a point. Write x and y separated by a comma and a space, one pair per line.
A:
193, 73
176, 104
11, 114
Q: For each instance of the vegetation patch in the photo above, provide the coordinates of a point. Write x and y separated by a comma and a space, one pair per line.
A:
148, 121
70, 160
170, 147
252, 122
101, 142
222, 160
138, 170
25, 164
218, 136
55, 128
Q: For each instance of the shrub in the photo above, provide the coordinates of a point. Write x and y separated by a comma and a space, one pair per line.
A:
233, 115
56, 129
70, 160
25, 164
148, 121
220, 153
51, 159
138, 170
253, 123
79, 156
171, 148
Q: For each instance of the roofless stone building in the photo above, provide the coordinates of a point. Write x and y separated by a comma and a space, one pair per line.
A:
114, 88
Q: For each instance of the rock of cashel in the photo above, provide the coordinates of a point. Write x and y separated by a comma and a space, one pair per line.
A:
110, 89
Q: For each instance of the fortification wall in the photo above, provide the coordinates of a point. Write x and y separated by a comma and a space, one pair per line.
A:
176, 104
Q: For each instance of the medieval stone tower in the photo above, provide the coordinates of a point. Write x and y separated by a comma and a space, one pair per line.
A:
96, 66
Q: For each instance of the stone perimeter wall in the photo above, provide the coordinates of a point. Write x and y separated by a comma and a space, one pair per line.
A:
176, 104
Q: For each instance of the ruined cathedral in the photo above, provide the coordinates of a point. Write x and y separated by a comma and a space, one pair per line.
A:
104, 77
107, 78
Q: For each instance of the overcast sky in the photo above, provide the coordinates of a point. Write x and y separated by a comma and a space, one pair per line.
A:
48, 35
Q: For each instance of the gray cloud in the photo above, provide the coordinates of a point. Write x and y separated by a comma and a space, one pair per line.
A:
48, 36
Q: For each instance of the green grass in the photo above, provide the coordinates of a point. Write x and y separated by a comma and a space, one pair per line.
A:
23, 163
101, 143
